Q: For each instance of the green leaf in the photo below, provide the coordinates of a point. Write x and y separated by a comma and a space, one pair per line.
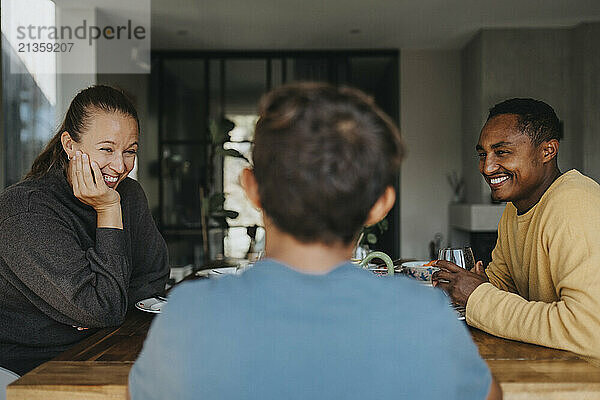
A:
227, 125
231, 214
371, 238
219, 130
216, 201
232, 153
384, 225
220, 222
224, 214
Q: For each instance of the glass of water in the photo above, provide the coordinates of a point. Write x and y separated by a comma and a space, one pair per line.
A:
461, 256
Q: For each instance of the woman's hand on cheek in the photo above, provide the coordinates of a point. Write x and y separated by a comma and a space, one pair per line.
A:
93, 192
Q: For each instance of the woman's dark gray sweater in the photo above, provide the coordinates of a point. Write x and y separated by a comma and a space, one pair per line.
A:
57, 270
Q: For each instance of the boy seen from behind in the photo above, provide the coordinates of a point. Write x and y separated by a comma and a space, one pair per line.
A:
305, 322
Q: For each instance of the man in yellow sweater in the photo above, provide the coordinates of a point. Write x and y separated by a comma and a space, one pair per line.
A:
543, 284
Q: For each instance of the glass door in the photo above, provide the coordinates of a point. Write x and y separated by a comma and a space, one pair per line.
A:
207, 111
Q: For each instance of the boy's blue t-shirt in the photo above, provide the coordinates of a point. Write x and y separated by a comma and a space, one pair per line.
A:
275, 333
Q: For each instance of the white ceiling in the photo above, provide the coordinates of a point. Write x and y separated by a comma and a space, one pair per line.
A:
321, 24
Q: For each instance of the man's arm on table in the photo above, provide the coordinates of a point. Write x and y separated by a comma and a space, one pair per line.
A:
572, 322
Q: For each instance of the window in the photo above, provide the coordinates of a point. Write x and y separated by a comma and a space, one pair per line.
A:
207, 109
28, 99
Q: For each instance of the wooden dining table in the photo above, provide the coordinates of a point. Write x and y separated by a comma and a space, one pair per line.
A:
98, 367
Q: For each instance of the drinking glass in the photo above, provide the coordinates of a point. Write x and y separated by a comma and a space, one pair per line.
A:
461, 256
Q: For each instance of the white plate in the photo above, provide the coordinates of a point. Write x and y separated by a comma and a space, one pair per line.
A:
151, 305
222, 271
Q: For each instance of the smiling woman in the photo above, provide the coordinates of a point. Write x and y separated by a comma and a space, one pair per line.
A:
78, 244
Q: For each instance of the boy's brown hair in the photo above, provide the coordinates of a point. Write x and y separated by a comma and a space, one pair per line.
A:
322, 157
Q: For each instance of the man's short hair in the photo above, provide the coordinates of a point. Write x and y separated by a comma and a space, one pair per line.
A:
322, 157
536, 119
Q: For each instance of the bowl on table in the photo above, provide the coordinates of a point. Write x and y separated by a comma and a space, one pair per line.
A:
419, 270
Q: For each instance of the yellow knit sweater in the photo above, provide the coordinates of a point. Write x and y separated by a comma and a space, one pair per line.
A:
545, 271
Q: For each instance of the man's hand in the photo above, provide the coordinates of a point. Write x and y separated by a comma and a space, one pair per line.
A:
456, 281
